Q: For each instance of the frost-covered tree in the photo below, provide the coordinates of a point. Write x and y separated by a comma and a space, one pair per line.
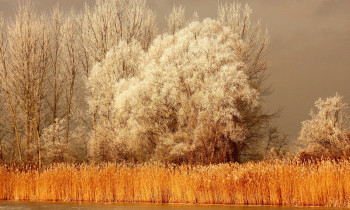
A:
107, 23
110, 21
193, 94
45, 61
325, 134
53, 142
176, 19
122, 62
182, 106
254, 55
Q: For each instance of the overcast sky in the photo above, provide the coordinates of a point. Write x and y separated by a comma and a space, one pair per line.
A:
309, 51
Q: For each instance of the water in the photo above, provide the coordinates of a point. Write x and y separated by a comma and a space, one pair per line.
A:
61, 205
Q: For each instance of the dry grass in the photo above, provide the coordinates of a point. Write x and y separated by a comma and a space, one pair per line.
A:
326, 183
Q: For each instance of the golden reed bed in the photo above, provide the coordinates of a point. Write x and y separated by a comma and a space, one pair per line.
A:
326, 183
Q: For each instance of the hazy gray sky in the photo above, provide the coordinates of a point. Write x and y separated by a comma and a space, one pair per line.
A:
309, 51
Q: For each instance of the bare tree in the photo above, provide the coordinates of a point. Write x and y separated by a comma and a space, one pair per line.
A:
65, 62
72, 59
275, 142
176, 19
56, 78
108, 22
6, 87
25, 70
3, 126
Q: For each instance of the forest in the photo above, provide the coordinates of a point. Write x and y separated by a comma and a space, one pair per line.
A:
104, 91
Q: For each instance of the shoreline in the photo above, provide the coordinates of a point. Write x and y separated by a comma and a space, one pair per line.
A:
165, 204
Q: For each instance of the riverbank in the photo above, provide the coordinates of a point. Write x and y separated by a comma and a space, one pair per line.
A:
325, 183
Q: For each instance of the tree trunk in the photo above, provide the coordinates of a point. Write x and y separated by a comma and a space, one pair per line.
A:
1, 158
235, 153
69, 105
14, 120
37, 129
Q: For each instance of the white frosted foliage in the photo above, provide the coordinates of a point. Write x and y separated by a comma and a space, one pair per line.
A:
184, 101
327, 129
121, 62
54, 145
